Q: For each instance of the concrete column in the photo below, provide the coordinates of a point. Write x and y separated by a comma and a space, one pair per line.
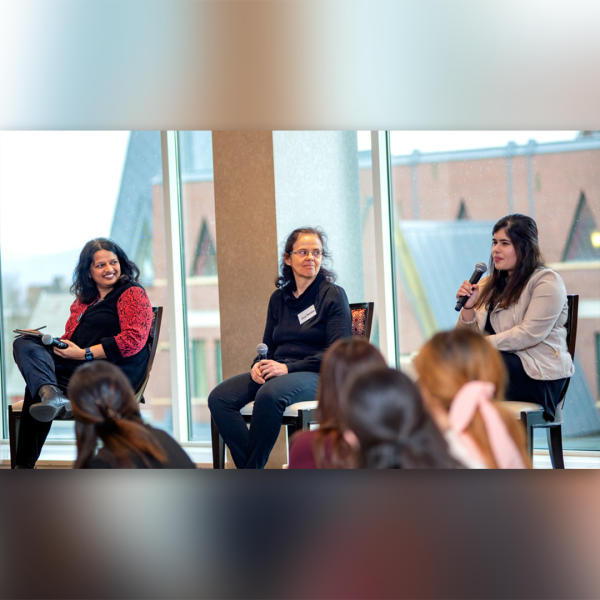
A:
316, 183
266, 185
247, 253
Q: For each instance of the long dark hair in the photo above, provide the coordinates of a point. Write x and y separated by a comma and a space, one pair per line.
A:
500, 288
384, 409
104, 407
83, 286
330, 449
287, 275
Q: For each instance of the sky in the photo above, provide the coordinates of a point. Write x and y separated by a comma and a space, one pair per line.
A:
57, 189
404, 142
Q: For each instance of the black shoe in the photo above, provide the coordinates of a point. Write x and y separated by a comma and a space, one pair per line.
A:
54, 405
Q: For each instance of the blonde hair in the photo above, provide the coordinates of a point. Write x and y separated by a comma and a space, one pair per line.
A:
449, 360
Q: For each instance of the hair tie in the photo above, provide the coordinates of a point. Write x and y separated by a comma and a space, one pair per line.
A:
106, 411
478, 395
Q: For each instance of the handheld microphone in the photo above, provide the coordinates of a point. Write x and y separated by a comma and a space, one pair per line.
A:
480, 269
262, 350
48, 340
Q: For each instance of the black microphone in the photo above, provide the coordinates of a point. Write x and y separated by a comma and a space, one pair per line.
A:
262, 350
480, 269
48, 340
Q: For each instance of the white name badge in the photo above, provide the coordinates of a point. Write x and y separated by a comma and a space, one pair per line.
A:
307, 314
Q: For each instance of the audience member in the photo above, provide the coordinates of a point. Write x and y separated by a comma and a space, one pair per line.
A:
105, 409
385, 420
325, 447
461, 378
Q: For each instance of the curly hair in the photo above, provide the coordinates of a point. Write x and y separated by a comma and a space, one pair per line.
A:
287, 275
83, 286
499, 287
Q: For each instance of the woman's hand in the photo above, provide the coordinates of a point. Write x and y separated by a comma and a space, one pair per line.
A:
271, 368
73, 352
255, 373
468, 289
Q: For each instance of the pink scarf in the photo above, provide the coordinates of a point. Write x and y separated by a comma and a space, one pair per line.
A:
478, 395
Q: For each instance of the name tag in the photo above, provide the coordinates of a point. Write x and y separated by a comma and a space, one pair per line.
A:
307, 314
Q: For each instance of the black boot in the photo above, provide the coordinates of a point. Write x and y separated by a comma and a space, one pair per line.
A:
54, 405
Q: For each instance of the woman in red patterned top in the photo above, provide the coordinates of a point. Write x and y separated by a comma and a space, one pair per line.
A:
110, 319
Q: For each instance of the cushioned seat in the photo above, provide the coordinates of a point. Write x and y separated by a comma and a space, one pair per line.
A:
290, 411
518, 407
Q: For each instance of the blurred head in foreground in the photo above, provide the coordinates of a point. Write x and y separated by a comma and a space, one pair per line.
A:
386, 421
330, 449
105, 408
461, 365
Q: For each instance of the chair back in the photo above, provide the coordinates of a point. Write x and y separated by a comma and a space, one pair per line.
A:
362, 318
571, 327
151, 345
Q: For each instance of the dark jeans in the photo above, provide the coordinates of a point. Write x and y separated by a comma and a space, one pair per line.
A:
523, 388
250, 449
39, 366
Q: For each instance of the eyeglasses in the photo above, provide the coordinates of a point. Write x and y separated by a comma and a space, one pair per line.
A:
305, 253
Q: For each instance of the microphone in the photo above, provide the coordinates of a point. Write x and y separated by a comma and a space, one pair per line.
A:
48, 340
262, 350
480, 269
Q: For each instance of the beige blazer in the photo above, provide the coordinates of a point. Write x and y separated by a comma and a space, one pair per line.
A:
534, 327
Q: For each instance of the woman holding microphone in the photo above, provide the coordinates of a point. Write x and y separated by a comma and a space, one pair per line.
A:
306, 314
522, 309
110, 319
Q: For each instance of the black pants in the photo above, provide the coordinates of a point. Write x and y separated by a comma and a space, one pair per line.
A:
39, 366
251, 449
523, 388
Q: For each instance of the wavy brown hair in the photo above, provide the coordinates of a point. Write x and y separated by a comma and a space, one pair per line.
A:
105, 408
499, 288
449, 360
330, 450
287, 274
84, 287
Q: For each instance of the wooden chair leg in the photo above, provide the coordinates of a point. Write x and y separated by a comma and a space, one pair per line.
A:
218, 447
528, 434
12, 436
554, 435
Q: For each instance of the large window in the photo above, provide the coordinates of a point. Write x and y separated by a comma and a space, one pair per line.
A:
201, 282
60, 189
57, 191
449, 188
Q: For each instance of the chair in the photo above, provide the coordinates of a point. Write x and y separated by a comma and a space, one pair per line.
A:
532, 415
300, 415
15, 410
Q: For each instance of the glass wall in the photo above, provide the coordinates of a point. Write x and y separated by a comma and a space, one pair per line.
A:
57, 191
201, 281
449, 188
60, 189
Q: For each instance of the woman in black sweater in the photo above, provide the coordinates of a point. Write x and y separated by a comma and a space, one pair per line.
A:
306, 314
